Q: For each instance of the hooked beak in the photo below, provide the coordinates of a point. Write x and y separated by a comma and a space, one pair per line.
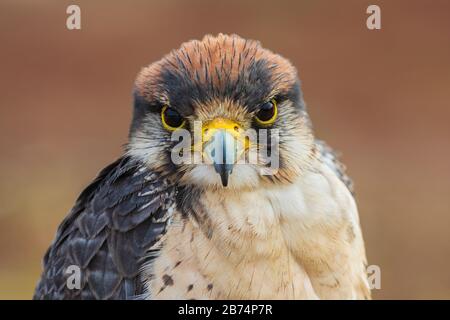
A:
223, 144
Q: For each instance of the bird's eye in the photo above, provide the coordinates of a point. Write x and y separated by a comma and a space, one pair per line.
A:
171, 119
267, 113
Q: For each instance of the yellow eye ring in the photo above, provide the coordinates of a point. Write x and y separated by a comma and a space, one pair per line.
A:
267, 114
171, 119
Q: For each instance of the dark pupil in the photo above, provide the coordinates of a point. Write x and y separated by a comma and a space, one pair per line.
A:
266, 111
172, 118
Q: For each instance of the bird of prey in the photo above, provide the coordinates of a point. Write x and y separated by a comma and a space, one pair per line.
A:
150, 227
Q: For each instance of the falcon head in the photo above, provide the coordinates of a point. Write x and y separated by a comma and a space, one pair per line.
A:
221, 112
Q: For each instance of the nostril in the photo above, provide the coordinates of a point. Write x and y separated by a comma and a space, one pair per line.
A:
205, 131
236, 128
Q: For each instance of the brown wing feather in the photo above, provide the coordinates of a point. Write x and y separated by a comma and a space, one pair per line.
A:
331, 158
121, 214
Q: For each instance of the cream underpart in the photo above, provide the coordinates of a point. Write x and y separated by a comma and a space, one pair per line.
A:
294, 241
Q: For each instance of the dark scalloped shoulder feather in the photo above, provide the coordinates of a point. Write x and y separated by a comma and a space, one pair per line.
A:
331, 158
115, 220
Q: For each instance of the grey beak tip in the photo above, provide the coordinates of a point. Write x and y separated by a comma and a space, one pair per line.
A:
224, 170
223, 154
224, 178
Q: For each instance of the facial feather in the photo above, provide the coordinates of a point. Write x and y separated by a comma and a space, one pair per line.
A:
227, 77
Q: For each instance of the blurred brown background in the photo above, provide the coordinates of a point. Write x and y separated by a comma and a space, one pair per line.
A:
380, 97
